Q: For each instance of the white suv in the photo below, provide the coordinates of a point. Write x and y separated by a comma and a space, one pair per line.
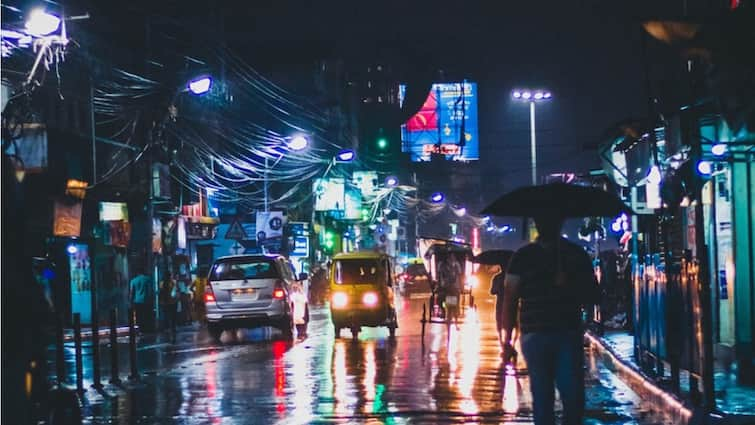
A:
247, 291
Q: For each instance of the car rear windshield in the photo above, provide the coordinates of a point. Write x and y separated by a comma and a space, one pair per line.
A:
358, 272
244, 269
416, 269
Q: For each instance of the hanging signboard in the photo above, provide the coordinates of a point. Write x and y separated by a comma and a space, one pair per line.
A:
157, 240
67, 219
112, 211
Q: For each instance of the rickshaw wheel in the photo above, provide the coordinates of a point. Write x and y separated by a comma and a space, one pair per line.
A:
392, 324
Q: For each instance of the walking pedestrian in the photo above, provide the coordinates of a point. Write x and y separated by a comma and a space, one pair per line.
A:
198, 289
496, 288
550, 280
169, 302
139, 287
184, 300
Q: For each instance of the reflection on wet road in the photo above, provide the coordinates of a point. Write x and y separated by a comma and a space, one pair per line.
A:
252, 376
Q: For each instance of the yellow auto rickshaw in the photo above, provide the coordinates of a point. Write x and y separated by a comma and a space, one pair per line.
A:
361, 292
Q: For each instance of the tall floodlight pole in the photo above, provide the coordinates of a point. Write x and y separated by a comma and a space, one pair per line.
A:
533, 143
265, 181
532, 97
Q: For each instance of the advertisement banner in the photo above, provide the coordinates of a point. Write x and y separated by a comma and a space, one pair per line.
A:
67, 219
157, 240
113, 211
446, 124
81, 281
329, 194
270, 225
366, 181
353, 200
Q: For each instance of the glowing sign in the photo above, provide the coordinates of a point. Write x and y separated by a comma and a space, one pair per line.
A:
446, 124
329, 194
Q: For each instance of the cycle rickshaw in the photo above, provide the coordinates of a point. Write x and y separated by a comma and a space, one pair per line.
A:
450, 267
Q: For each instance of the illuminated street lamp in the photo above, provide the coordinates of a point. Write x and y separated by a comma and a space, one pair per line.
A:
437, 197
391, 181
200, 85
718, 149
295, 143
705, 168
298, 143
532, 97
345, 155
41, 23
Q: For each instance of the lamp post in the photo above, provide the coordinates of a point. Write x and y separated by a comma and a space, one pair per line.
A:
295, 143
532, 97
197, 86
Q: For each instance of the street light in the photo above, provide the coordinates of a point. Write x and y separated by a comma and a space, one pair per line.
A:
295, 143
41, 23
718, 149
200, 85
298, 143
391, 181
437, 197
345, 155
532, 97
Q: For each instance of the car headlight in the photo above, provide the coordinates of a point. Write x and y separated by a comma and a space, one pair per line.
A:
340, 300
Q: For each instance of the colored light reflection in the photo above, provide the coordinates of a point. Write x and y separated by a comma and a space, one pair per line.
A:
370, 371
213, 406
469, 354
279, 374
510, 402
300, 368
340, 382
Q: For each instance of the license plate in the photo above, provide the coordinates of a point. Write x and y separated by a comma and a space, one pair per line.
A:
243, 294
452, 300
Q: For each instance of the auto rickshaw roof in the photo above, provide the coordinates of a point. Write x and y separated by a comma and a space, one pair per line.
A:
448, 248
360, 255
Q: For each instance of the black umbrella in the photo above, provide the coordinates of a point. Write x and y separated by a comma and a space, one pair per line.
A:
499, 257
558, 199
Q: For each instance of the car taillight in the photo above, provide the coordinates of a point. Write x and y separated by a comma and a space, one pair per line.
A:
370, 299
340, 299
209, 296
278, 292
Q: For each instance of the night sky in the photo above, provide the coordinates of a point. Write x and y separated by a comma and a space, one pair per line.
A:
588, 53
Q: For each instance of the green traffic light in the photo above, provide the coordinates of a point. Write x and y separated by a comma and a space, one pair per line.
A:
329, 243
382, 143
328, 235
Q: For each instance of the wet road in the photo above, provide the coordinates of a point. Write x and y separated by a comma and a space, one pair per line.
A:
256, 377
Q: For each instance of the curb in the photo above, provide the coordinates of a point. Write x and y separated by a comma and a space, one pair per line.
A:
642, 384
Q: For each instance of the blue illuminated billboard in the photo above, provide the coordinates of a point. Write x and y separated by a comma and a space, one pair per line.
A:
446, 124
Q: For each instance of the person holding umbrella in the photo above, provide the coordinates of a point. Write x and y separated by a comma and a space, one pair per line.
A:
498, 259
547, 282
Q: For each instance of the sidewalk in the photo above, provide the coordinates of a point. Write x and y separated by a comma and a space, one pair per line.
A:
735, 403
